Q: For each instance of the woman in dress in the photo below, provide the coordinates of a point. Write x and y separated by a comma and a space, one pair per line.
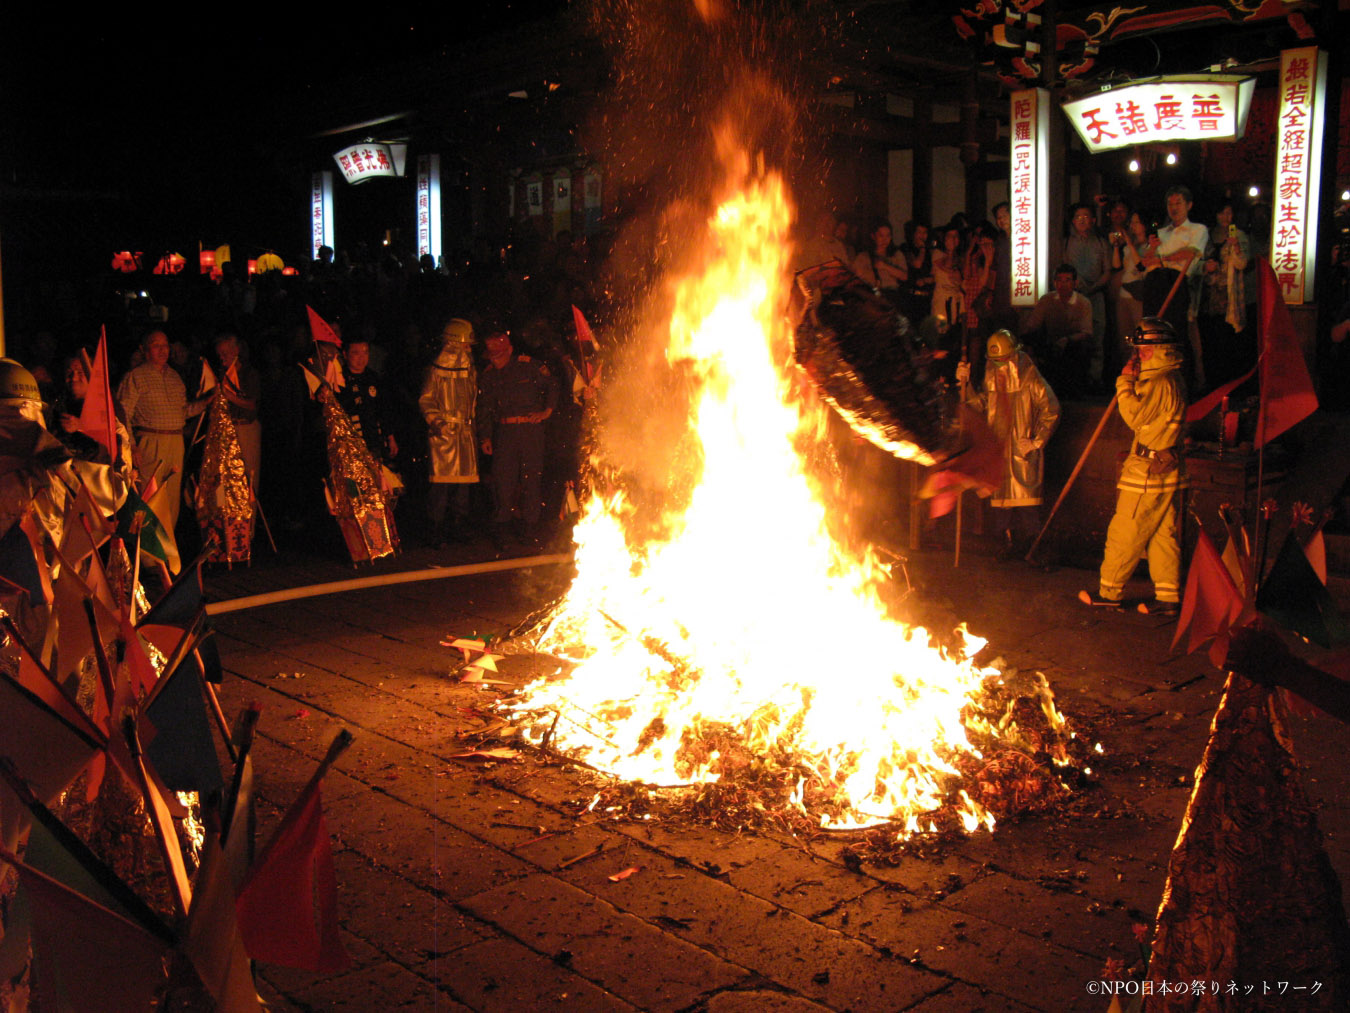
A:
949, 297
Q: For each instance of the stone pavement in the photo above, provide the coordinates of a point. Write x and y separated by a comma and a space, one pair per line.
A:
459, 884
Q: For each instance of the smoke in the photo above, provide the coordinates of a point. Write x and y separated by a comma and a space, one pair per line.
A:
701, 95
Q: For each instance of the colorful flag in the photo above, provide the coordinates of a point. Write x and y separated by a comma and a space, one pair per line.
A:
1316, 551
98, 418
1214, 398
47, 751
319, 329
585, 338
19, 565
978, 467
1287, 396
1211, 603
137, 515
208, 381
1293, 596
86, 957
213, 942
287, 906
181, 750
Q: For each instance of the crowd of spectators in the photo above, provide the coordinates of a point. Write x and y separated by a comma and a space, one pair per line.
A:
389, 311
1117, 263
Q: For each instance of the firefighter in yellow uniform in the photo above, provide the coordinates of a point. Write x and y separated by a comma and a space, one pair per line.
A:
1152, 401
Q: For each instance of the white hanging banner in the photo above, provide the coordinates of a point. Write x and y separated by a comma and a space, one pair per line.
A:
365, 161
429, 206
1298, 172
1211, 107
320, 212
1029, 195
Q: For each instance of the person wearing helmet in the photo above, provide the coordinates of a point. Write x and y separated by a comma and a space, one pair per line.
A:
449, 396
1152, 401
1023, 412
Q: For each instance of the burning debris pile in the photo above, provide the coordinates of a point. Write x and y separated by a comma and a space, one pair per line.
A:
733, 662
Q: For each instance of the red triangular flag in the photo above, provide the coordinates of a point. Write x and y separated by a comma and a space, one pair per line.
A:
1211, 603
584, 332
318, 327
208, 381
1210, 401
287, 906
1287, 396
1316, 551
98, 420
86, 956
979, 466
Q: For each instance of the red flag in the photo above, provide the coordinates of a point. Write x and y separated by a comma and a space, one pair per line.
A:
1287, 396
584, 332
37, 535
287, 906
212, 940
1316, 551
1211, 603
318, 327
979, 466
47, 750
1210, 401
86, 956
97, 418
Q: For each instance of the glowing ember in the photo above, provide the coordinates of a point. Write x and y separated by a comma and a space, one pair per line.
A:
743, 640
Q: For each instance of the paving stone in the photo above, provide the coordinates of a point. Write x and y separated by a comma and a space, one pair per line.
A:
793, 952
974, 950
799, 882
397, 917
290, 981
383, 986
1071, 918
618, 952
713, 922
502, 976
421, 848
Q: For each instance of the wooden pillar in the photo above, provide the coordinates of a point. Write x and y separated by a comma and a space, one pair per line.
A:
923, 159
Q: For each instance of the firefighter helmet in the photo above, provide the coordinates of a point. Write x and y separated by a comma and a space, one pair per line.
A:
17, 385
1154, 331
457, 330
1001, 346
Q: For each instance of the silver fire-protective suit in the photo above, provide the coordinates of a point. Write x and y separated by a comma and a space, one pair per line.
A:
1023, 412
448, 402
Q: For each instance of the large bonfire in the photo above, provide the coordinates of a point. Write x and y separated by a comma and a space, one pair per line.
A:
737, 642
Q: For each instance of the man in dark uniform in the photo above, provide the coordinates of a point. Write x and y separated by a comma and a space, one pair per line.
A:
363, 399
516, 394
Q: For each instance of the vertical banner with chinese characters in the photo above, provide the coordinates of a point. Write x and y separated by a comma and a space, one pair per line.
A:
1028, 195
534, 196
429, 206
1298, 172
320, 212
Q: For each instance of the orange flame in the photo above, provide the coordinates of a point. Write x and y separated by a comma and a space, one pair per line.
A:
748, 620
